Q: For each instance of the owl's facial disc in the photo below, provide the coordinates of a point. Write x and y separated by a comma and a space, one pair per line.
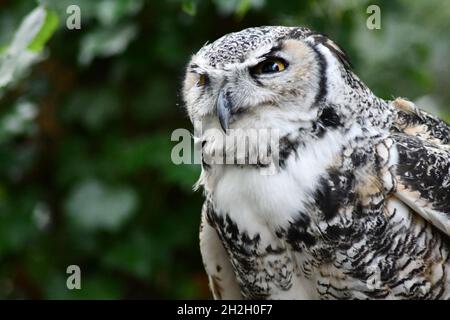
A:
228, 85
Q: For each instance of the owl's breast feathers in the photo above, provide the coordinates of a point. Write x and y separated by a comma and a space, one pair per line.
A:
373, 224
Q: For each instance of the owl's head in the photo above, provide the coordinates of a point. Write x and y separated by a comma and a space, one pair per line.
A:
267, 77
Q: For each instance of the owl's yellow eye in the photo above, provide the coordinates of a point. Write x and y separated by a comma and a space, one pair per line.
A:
271, 65
202, 79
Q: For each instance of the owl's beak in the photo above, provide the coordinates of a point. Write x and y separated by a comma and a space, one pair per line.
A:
223, 109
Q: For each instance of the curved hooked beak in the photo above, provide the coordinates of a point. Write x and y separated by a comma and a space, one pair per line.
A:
223, 109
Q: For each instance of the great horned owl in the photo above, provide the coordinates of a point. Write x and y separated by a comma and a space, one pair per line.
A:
359, 206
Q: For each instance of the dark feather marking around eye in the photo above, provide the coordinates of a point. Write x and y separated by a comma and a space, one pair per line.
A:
323, 76
267, 56
255, 78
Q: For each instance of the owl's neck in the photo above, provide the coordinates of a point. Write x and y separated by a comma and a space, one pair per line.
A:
350, 99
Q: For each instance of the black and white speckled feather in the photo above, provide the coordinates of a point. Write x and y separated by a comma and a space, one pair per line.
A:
360, 205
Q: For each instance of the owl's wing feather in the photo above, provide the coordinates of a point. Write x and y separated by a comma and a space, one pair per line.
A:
414, 121
422, 173
222, 279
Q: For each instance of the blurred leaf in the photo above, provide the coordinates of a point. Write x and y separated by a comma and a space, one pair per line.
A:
16, 60
189, 7
106, 42
110, 12
239, 7
243, 8
19, 121
93, 205
48, 28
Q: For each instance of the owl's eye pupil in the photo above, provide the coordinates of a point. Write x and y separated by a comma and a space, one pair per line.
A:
268, 66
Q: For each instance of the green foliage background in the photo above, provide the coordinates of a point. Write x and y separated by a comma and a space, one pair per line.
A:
86, 118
